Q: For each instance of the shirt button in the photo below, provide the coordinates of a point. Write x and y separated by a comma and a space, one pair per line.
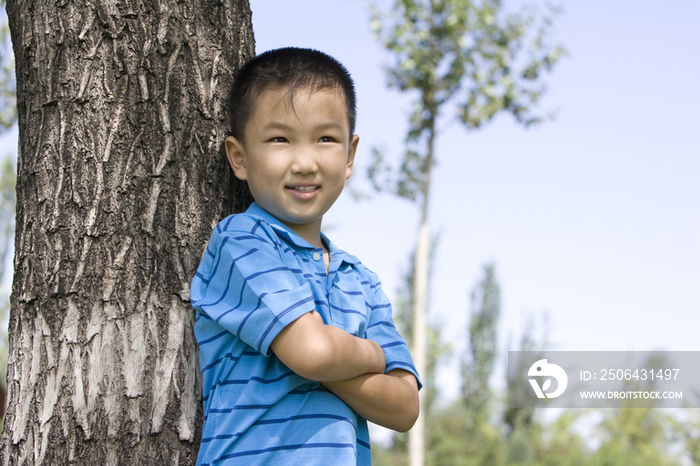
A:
316, 256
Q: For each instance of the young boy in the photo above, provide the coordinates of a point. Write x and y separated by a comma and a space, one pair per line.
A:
297, 344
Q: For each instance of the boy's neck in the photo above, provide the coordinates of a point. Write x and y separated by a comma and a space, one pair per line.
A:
311, 232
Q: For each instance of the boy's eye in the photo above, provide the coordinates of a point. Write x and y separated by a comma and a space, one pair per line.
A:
327, 139
279, 139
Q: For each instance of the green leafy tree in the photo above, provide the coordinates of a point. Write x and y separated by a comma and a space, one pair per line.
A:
563, 446
452, 439
469, 57
462, 433
634, 437
483, 345
520, 418
688, 430
637, 436
473, 432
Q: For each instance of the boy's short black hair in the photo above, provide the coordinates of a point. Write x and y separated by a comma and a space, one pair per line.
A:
292, 68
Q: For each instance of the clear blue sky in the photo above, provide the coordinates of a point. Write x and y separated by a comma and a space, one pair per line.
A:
593, 218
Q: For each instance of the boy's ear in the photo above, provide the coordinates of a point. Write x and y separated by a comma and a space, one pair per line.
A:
352, 148
235, 152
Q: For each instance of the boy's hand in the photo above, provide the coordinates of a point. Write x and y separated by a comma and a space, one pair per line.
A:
326, 353
389, 400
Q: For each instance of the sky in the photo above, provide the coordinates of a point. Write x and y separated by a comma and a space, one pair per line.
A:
592, 220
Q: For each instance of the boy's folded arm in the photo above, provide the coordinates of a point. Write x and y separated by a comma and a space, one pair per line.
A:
324, 352
389, 400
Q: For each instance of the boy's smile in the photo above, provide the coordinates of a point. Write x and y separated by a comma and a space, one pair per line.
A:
296, 156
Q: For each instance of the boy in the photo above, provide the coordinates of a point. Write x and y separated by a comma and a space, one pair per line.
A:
297, 344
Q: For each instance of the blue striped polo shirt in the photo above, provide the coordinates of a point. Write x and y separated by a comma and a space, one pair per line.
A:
256, 277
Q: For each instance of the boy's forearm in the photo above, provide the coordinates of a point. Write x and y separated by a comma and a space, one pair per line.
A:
349, 356
326, 353
389, 400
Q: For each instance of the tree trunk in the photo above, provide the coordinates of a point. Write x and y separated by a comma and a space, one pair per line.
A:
416, 436
121, 177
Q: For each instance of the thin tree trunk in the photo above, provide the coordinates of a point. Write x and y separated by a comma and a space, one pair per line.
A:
416, 436
120, 180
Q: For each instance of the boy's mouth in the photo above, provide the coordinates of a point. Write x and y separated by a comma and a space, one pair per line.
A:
303, 192
303, 189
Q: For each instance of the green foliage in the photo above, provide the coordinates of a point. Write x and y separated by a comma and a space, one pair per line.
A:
520, 418
483, 340
639, 436
481, 432
564, 447
452, 439
470, 53
688, 431
8, 85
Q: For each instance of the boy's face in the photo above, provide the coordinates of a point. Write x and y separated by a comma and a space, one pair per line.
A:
296, 158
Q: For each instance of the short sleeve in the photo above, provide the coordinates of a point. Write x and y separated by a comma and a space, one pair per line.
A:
381, 329
245, 287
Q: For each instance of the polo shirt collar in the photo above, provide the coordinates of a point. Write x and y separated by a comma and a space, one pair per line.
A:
285, 232
335, 250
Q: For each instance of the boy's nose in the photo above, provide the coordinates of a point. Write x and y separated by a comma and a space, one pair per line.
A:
304, 162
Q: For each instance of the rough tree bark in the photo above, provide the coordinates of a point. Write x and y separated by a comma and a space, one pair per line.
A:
120, 180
